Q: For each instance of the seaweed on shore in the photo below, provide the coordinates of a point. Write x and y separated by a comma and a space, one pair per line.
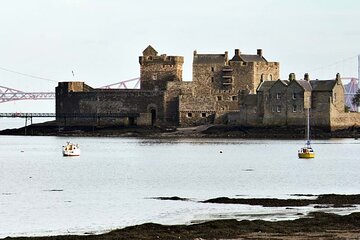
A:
328, 226
337, 200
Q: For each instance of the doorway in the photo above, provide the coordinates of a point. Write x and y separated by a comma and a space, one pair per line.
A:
153, 116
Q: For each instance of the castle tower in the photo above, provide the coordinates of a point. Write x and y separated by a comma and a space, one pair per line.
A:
156, 70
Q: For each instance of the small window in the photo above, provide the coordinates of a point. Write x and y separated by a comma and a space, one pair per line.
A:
234, 98
203, 115
243, 63
212, 79
189, 115
294, 95
212, 69
294, 108
219, 98
278, 95
278, 108
273, 109
154, 76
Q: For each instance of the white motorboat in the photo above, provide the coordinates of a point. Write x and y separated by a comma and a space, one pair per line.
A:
71, 149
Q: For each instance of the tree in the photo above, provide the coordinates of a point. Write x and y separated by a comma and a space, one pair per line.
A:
356, 98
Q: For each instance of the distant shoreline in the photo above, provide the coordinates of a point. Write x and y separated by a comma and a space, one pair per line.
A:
209, 131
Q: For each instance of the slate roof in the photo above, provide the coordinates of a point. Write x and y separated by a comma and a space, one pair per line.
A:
322, 85
252, 58
265, 86
209, 58
150, 51
285, 82
305, 85
248, 58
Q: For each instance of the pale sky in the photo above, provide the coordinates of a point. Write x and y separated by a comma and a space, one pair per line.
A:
100, 40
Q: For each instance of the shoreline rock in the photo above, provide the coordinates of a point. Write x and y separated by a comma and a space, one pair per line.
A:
206, 131
317, 225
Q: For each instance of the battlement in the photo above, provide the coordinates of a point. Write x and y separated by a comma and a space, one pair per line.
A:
159, 68
150, 56
73, 87
162, 59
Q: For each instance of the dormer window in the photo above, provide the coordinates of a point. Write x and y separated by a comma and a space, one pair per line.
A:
294, 96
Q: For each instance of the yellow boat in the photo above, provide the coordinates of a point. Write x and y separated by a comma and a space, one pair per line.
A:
307, 151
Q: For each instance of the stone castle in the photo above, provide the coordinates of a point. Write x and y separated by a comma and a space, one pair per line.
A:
242, 90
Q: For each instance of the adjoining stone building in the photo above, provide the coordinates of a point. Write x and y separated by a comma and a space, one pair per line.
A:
283, 103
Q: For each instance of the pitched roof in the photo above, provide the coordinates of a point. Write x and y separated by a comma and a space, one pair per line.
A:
285, 82
150, 51
209, 58
252, 58
248, 58
322, 85
304, 84
265, 86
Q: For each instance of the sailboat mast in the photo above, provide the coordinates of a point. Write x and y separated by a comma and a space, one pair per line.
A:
308, 125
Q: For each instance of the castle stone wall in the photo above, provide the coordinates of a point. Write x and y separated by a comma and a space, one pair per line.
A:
111, 102
196, 110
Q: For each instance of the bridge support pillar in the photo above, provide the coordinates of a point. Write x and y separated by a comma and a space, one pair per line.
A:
26, 121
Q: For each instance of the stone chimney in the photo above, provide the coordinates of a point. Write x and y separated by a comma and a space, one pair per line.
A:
338, 78
195, 52
259, 52
237, 52
226, 56
306, 77
292, 76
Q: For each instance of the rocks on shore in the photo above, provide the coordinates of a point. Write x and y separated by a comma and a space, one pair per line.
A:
209, 131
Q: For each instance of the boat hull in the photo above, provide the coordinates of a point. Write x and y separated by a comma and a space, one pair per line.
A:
306, 155
71, 153
71, 149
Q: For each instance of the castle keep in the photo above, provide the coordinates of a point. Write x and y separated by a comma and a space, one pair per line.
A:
243, 89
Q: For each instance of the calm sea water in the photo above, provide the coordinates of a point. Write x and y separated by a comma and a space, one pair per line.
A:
113, 183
